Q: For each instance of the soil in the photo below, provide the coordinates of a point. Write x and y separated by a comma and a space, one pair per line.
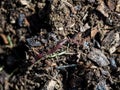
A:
60, 45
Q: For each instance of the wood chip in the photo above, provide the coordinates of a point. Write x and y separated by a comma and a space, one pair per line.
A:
94, 31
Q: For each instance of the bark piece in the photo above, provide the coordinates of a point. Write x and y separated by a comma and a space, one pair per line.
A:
98, 57
111, 41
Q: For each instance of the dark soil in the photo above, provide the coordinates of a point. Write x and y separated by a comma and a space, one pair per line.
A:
60, 45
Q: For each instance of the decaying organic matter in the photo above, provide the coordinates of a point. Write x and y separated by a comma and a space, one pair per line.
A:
60, 45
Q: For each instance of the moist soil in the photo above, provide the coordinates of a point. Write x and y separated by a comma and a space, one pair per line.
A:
60, 45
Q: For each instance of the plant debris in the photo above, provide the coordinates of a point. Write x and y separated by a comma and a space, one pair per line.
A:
98, 57
60, 45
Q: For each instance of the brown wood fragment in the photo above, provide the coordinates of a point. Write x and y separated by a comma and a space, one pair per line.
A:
94, 31
4, 38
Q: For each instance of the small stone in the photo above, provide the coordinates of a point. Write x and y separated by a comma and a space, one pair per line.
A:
91, 1
25, 2
60, 28
112, 50
78, 7
21, 19
113, 63
33, 42
12, 20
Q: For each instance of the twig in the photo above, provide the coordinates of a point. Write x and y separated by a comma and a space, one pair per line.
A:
10, 41
66, 66
57, 54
